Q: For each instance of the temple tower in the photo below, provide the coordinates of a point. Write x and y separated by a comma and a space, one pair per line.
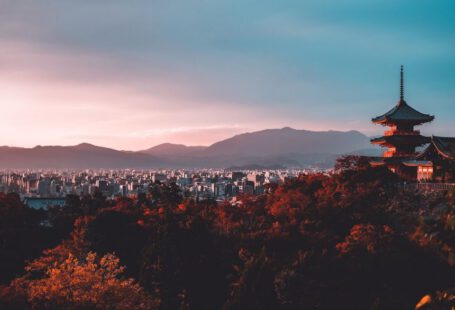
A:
401, 139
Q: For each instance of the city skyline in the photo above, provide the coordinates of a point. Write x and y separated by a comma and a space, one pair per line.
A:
134, 75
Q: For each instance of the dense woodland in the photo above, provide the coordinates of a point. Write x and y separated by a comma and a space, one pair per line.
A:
350, 240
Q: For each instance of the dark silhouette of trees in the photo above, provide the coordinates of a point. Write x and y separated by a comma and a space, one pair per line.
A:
352, 239
23, 235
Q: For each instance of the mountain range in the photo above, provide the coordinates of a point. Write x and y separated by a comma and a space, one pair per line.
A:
285, 147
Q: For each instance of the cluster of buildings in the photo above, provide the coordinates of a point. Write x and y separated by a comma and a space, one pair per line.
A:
217, 184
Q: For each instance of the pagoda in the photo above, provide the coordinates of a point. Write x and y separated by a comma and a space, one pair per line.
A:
401, 139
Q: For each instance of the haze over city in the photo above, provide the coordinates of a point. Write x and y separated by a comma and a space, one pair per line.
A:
130, 75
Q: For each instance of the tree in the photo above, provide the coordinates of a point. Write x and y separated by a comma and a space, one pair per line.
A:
351, 162
90, 283
253, 287
22, 235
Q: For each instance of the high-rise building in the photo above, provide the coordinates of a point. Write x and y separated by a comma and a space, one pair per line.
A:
44, 187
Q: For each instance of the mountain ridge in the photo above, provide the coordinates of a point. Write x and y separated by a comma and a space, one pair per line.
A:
169, 148
269, 147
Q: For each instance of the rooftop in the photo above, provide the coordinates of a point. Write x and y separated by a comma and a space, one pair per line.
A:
444, 146
402, 112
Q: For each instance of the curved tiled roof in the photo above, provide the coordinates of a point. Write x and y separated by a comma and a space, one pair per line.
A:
416, 163
444, 146
403, 112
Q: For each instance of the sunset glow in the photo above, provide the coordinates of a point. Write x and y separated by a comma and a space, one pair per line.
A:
130, 76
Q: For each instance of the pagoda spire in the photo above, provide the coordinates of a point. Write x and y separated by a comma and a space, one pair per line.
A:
401, 84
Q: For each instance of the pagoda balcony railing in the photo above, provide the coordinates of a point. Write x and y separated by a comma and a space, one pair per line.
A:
402, 133
429, 186
393, 153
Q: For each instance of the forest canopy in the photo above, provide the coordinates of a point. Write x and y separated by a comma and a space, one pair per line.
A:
352, 239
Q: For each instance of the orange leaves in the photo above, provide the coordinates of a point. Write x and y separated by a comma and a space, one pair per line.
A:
147, 212
368, 238
124, 204
182, 207
89, 282
289, 205
425, 301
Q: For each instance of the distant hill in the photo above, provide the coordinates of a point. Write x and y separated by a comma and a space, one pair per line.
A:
77, 157
284, 147
272, 142
271, 148
172, 149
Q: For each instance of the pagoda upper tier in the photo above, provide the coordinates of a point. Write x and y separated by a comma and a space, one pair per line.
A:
403, 113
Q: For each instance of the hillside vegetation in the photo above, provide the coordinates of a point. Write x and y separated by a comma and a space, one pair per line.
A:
351, 240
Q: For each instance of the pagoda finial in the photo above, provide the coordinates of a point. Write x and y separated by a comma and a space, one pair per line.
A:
401, 84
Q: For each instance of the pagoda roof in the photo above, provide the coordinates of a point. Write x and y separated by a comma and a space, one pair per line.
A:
444, 146
416, 163
407, 161
401, 139
396, 159
376, 160
403, 112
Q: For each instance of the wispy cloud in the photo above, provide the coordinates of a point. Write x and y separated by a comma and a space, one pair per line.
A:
131, 75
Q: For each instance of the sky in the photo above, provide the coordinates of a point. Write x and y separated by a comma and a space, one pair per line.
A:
133, 74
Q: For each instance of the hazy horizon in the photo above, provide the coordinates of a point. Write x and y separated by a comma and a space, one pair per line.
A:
170, 142
130, 76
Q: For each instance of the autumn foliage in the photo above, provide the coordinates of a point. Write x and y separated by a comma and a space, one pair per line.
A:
352, 239
90, 283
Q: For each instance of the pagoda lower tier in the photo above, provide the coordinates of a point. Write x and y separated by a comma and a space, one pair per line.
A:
401, 145
400, 150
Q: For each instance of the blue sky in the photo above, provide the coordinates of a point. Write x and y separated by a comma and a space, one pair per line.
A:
132, 74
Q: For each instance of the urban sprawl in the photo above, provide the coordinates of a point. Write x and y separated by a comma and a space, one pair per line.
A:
40, 189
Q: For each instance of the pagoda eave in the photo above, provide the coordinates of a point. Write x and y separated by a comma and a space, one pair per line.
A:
395, 160
395, 140
385, 121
